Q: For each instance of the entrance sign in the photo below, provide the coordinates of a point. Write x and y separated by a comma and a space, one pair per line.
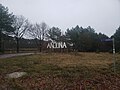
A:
56, 45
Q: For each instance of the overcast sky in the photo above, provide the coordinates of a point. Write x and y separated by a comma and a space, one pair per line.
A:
102, 15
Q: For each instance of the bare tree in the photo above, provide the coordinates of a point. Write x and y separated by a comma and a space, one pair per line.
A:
20, 25
38, 32
44, 29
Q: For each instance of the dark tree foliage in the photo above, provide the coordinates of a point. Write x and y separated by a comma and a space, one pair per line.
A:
9, 43
54, 34
117, 39
85, 39
6, 20
102, 45
24, 44
73, 36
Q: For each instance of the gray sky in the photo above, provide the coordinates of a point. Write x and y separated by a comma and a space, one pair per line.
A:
102, 15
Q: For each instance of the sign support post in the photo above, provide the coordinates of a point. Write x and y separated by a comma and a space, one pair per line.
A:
114, 61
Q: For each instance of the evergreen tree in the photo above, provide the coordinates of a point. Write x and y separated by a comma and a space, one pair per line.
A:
6, 20
54, 34
84, 39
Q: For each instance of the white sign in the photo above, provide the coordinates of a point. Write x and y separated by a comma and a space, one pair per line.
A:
57, 45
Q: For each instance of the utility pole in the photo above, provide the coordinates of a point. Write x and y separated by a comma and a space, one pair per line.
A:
114, 58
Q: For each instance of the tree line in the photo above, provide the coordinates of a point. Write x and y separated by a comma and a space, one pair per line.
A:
14, 29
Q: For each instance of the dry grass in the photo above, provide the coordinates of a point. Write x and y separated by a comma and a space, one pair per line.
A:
85, 59
61, 71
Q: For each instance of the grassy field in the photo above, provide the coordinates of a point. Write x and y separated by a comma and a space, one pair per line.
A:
67, 71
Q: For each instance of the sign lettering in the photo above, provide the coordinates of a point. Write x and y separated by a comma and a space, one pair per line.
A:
57, 45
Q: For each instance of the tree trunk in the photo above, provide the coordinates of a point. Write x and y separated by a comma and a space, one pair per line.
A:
17, 39
40, 47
